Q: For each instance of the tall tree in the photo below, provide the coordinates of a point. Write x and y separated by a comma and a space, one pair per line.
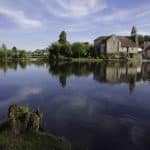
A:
15, 52
63, 38
4, 47
14, 49
54, 50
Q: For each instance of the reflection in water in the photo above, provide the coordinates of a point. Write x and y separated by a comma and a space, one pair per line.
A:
65, 70
92, 106
14, 65
112, 73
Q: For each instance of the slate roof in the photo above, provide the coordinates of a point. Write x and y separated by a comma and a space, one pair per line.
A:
125, 41
101, 38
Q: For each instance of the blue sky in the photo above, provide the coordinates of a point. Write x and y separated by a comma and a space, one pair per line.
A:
31, 24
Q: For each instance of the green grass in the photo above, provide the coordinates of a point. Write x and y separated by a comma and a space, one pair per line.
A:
88, 59
32, 141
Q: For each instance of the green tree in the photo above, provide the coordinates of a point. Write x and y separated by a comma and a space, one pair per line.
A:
89, 49
14, 49
79, 49
65, 49
146, 38
14, 52
141, 39
62, 47
2, 54
22, 54
54, 50
4, 47
9, 54
62, 38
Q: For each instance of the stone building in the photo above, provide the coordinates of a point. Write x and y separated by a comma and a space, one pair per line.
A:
114, 44
146, 51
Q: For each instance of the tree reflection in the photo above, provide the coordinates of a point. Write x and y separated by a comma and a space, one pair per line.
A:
65, 70
13, 65
110, 73
5, 66
132, 84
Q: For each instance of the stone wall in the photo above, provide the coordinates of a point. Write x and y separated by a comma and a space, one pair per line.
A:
113, 45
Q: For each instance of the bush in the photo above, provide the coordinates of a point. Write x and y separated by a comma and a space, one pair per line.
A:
79, 49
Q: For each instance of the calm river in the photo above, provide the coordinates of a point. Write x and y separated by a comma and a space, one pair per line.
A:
98, 106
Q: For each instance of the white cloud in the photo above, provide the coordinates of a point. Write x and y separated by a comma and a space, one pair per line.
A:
74, 8
19, 17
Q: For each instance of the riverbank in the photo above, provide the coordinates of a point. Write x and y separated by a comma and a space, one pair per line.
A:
21, 131
32, 141
65, 59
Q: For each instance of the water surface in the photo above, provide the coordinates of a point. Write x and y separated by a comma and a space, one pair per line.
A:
95, 105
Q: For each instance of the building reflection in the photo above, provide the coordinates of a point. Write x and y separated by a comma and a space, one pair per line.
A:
116, 73
146, 71
109, 73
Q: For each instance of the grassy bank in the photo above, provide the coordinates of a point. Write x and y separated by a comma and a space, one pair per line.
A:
91, 59
32, 141
70, 59
22, 131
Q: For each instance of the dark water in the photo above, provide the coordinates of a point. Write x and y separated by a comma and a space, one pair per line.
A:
99, 106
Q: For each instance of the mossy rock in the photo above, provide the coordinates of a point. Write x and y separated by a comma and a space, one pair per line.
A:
34, 122
15, 111
22, 120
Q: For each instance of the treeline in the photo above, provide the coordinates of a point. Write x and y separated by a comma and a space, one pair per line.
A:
12, 54
63, 48
16, 54
143, 38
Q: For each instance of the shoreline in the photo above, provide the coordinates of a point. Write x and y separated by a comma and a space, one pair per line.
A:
100, 60
22, 130
70, 59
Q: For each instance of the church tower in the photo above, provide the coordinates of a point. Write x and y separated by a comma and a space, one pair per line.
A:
134, 35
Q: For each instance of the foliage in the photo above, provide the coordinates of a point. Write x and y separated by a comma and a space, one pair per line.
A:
2, 54
60, 48
65, 49
38, 53
143, 38
4, 47
62, 38
146, 38
14, 49
13, 54
79, 49
22, 54
54, 50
